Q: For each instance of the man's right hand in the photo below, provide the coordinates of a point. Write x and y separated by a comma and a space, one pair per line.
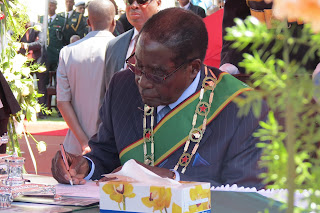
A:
79, 168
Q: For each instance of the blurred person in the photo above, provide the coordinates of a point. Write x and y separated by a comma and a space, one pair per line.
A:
230, 57
55, 37
81, 83
187, 5
80, 7
75, 23
8, 106
74, 38
32, 45
119, 27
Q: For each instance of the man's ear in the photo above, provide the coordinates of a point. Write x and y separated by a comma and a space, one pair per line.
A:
88, 22
113, 25
195, 66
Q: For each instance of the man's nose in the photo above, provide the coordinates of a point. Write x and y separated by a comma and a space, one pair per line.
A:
144, 83
134, 4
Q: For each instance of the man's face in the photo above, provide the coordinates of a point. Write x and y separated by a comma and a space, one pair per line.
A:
154, 58
183, 2
52, 8
69, 5
80, 9
138, 14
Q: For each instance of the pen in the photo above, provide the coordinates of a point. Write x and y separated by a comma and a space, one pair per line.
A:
64, 158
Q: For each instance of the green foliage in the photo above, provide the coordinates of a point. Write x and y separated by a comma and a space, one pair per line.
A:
285, 84
18, 71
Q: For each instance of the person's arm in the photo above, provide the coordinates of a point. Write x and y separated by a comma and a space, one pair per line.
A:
64, 97
37, 43
202, 13
82, 29
232, 9
72, 121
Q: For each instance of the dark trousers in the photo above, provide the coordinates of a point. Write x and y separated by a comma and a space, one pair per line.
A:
43, 81
3, 129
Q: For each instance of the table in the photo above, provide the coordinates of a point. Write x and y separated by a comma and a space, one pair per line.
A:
221, 202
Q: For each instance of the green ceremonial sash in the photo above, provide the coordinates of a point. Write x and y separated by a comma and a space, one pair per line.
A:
173, 130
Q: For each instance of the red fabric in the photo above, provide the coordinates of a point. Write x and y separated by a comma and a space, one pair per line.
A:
60, 132
214, 28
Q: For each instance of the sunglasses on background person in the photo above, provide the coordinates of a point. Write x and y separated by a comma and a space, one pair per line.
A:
140, 2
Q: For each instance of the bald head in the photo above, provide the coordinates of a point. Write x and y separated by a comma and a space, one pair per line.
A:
101, 14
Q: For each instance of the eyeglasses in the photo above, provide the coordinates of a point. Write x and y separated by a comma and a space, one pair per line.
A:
151, 77
141, 2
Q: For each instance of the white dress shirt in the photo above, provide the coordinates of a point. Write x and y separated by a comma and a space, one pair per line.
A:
131, 45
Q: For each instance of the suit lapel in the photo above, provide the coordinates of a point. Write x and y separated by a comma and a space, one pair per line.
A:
137, 115
123, 48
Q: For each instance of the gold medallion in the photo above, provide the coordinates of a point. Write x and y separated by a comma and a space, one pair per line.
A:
184, 159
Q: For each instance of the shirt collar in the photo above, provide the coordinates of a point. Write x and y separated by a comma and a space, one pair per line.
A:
186, 6
135, 33
186, 94
52, 17
70, 13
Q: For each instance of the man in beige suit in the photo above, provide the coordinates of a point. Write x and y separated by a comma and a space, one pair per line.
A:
81, 79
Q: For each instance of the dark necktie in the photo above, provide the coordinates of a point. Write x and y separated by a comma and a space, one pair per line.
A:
163, 113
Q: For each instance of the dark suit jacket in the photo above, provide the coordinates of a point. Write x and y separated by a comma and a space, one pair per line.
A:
116, 53
35, 43
239, 9
10, 104
197, 10
227, 153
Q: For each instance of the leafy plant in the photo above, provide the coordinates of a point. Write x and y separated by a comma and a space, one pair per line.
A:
18, 71
292, 156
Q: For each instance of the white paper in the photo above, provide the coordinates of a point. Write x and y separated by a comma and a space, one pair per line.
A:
132, 171
90, 189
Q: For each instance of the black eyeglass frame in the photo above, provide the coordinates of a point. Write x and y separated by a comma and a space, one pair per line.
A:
145, 3
151, 77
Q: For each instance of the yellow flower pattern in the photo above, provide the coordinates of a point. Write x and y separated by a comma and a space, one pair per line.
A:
176, 208
118, 192
159, 198
198, 193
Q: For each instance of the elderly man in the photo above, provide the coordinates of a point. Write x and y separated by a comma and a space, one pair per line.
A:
120, 48
172, 113
75, 23
81, 79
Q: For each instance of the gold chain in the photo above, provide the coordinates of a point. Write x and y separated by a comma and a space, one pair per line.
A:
195, 134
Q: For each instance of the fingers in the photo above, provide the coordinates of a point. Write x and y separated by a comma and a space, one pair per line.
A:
79, 167
77, 181
86, 150
58, 169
